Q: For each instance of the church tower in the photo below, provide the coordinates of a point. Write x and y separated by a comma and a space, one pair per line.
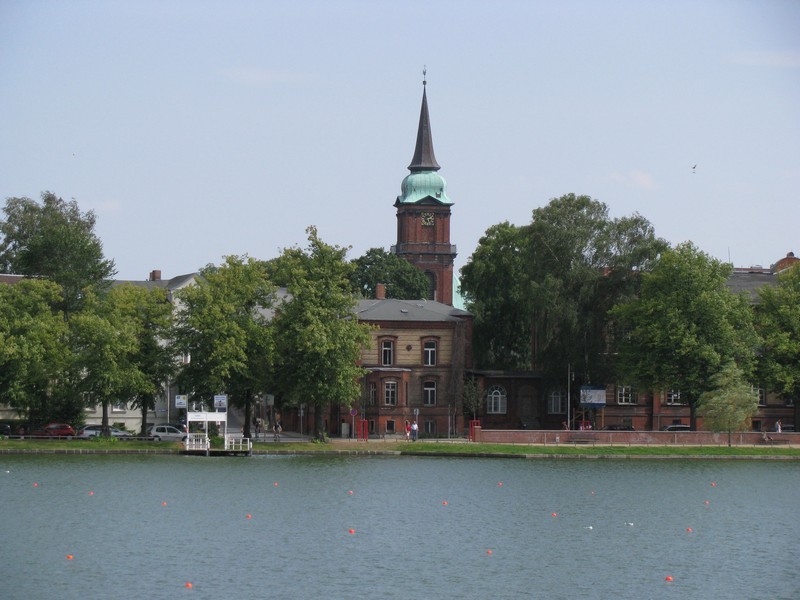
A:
423, 215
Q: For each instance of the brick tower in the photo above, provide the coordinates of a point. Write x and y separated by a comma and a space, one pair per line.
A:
423, 215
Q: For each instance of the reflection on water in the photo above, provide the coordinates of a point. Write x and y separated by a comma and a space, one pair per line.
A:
422, 528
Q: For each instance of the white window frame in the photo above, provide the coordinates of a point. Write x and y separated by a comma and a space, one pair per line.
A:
496, 400
387, 353
390, 393
373, 393
429, 350
627, 395
429, 393
673, 398
557, 402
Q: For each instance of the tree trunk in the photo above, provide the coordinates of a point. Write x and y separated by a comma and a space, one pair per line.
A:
692, 415
143, 431
105, 432
247, 410
319, 423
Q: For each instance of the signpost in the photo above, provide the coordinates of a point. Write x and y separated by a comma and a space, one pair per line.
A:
353, 413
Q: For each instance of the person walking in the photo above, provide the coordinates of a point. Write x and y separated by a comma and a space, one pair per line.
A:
408, 430
414, 431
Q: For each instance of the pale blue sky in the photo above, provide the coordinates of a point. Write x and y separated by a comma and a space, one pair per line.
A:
198, 129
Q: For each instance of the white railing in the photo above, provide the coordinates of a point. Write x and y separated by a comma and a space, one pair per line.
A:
197, 441
238, 444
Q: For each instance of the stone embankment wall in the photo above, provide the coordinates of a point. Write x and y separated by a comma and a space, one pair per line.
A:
638, 438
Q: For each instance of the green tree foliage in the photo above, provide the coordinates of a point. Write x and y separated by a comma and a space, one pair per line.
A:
685, 326
223, 326
496, 289
471, 397
778, 321
318, 339
730, 403
150, 314
402, 279
580, 263
54, 240
104, 342
34, 353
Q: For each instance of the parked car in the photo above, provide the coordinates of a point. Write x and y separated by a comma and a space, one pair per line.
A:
676, 427
5, 429
166, 433
618, 427
96, 430
179, 426
55, 430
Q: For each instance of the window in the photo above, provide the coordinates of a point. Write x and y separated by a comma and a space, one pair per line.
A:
429, 353
496, 400
429, 393
373, 393
390, 393
119, 407
557, 402
762, 395
626, 395
387, 353
673, 397
429, 427
372, 426
389, 426
431, 285
790, 402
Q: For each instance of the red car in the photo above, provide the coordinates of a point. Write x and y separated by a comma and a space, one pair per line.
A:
56, 430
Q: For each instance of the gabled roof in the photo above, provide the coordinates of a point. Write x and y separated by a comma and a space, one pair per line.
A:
10, 279
409, 311
176, 283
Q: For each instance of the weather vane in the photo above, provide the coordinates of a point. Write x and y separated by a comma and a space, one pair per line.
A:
424, 73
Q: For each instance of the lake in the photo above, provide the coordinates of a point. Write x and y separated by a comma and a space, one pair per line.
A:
88, 527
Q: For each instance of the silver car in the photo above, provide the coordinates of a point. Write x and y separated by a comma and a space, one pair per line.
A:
166, 433
96, 430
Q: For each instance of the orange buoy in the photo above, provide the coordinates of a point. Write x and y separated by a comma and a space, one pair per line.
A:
351, 531
713, 484
350, 492
163, 504
444, 502
706, 502
553, 514
489, 552
275, 484
35, 485
689, 530
91, 493
668, 578
188, 585
499, 484
70, 557
248, 516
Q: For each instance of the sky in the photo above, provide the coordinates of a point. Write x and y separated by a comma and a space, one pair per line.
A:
200, 129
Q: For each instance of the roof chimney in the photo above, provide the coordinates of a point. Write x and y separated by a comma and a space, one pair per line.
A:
380, 291
155, 275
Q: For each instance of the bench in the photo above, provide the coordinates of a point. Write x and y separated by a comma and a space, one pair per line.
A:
774, 442
583, 439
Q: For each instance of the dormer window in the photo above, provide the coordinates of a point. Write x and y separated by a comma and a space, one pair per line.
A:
387, 353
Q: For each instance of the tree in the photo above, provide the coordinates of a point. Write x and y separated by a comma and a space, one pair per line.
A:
730, 403
54, 240
403, 280
104, 341
684, 327
223, 325
471, 397
150, 313
581, 263
778, 322
318, 338
34, 353
496, 290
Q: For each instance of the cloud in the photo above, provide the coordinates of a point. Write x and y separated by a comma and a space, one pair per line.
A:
637, 179
258, 76
783, 60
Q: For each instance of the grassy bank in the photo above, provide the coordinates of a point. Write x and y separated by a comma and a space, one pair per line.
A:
406, 448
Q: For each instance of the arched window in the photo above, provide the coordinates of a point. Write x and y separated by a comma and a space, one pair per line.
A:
431, 285
496, 400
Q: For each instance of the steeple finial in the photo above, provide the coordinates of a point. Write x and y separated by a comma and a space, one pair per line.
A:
424, 158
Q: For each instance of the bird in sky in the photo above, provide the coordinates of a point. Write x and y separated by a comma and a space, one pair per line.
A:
693, 168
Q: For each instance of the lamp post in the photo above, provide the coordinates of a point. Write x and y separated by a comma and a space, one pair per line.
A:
569, 382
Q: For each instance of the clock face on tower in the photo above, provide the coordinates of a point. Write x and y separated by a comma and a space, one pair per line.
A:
427, 219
